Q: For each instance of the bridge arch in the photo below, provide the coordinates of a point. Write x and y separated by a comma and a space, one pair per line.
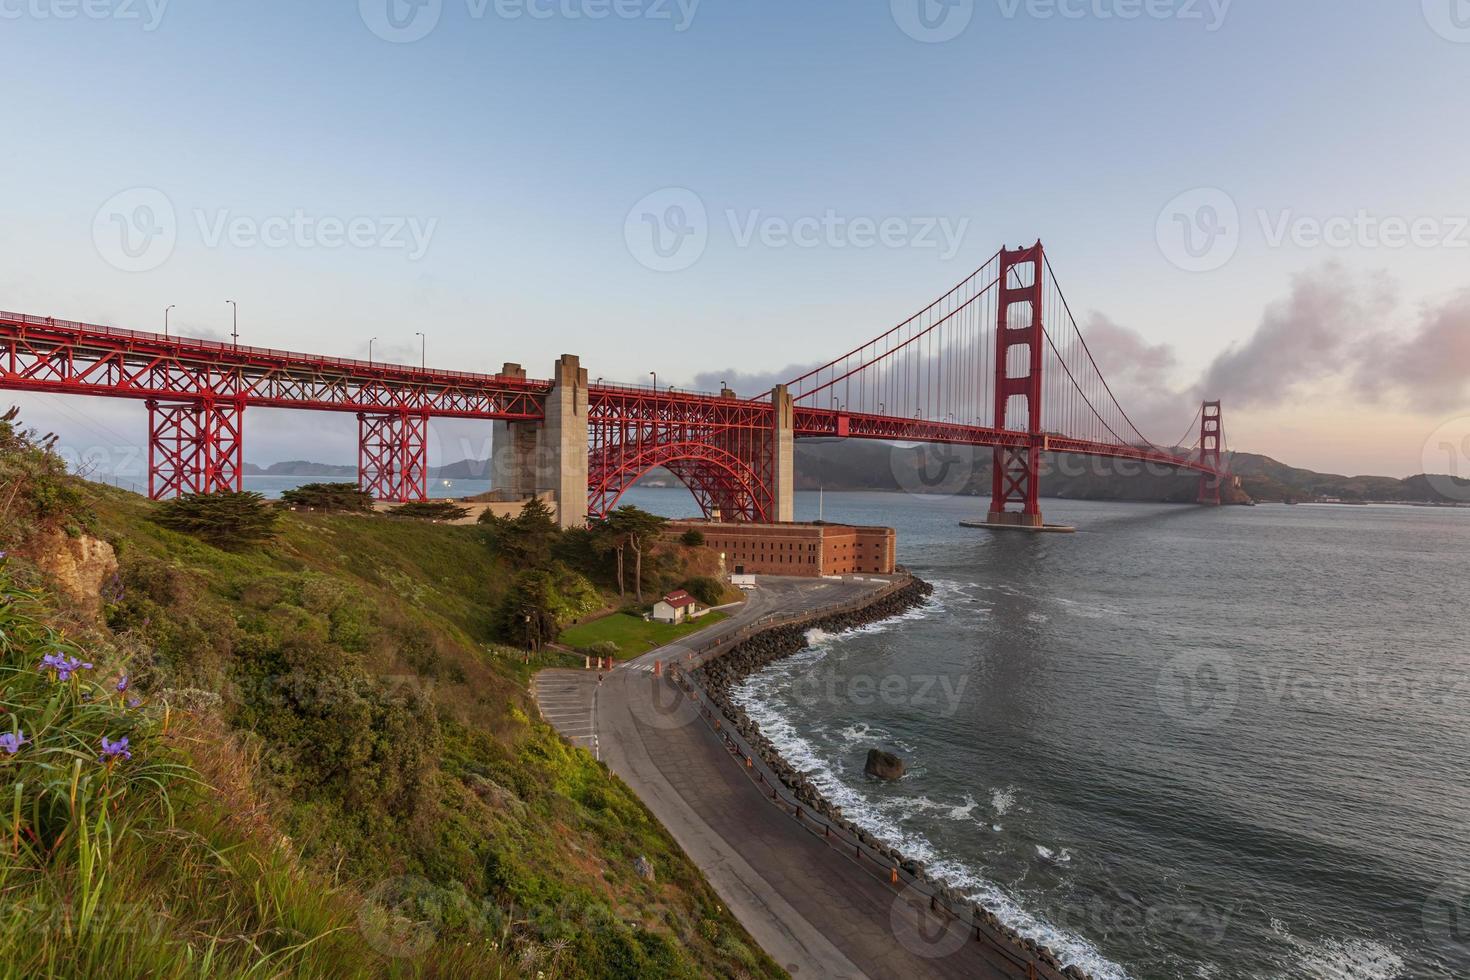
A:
721, 481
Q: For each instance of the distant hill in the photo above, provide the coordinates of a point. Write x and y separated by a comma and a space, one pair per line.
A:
860, 465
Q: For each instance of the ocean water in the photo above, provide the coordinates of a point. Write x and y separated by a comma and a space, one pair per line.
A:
1180, 743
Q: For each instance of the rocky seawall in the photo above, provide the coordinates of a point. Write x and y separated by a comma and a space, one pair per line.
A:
720, 676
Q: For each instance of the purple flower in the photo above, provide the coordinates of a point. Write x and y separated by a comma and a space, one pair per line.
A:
11, 743
111, 749
122, 683
64, 666
133, 702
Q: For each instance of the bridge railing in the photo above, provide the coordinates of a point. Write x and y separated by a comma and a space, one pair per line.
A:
193, 343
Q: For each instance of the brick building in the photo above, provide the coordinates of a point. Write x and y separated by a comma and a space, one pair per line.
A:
797, 549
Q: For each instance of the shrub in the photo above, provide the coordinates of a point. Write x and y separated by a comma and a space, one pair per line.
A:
693, 538
227, 520
707, 590
431, 510
329, 497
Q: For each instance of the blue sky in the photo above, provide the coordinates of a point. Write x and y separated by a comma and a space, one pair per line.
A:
495, 162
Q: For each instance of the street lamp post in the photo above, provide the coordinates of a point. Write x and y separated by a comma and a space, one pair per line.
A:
235, 322
371, 341
655, 381
423, 350
165, 317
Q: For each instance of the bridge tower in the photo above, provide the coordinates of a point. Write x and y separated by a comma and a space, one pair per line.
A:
1015, 485
1210, 435
548, 456
195, 446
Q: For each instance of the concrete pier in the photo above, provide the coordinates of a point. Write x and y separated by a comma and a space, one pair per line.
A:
783, 456
532, 458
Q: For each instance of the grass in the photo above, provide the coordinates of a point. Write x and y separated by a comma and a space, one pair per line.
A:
632, 634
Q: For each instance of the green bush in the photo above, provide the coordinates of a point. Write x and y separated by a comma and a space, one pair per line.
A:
431, 510
707, 590
227, 520
693, 538
343, 497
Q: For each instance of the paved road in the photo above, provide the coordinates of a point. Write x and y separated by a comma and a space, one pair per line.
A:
814, 910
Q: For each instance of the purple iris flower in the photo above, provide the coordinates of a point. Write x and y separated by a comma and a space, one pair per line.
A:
111, 749
11, 742
64, 666
122, 683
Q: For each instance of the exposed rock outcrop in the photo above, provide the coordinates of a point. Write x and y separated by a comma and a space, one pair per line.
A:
77, 567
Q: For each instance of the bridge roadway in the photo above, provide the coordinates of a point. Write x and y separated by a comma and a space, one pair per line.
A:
814, 910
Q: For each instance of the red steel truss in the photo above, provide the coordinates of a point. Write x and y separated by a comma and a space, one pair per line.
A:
721, 447
194, 447
999, 361
393, 455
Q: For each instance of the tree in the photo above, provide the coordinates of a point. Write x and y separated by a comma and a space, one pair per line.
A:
707, 590
634, 528
329, 497
693, 538
528, 538
431, 510
528, 612
227, 520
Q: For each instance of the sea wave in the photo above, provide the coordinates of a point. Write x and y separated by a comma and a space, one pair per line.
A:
884, 819
1342, 959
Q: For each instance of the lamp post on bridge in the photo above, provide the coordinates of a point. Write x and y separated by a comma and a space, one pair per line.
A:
655, 381
165, 317
235, 321
423, 350
371, 341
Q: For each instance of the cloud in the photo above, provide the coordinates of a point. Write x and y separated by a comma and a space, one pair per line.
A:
1429, 369
1318, 331
749, 384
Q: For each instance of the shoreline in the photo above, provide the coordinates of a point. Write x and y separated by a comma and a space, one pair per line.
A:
720, 674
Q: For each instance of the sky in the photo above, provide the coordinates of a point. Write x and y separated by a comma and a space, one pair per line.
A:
1267, 199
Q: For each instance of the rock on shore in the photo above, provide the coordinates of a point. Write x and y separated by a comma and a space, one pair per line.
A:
884, 765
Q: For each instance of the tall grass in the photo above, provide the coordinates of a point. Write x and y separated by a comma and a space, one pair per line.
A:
118, 860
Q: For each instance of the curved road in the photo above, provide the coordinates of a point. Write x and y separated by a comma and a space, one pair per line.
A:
814, 910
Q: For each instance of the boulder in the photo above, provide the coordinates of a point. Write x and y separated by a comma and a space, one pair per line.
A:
883, 765
643, 868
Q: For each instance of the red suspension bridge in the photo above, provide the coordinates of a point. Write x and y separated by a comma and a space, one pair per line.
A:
998, 361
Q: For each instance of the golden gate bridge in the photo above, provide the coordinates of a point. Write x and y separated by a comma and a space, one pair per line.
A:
998, 361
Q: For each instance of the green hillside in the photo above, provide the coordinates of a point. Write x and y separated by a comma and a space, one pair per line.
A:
335, 766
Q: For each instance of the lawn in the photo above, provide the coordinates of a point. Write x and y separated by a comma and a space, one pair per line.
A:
633, 635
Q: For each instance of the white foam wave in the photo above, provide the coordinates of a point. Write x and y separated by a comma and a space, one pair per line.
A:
1342, 959
884, 819
1047, 854
1001, 800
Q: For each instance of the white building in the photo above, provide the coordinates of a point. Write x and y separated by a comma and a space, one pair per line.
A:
675, 607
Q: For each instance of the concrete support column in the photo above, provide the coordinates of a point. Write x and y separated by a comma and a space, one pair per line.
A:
564, 455
548, 457
783, 452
